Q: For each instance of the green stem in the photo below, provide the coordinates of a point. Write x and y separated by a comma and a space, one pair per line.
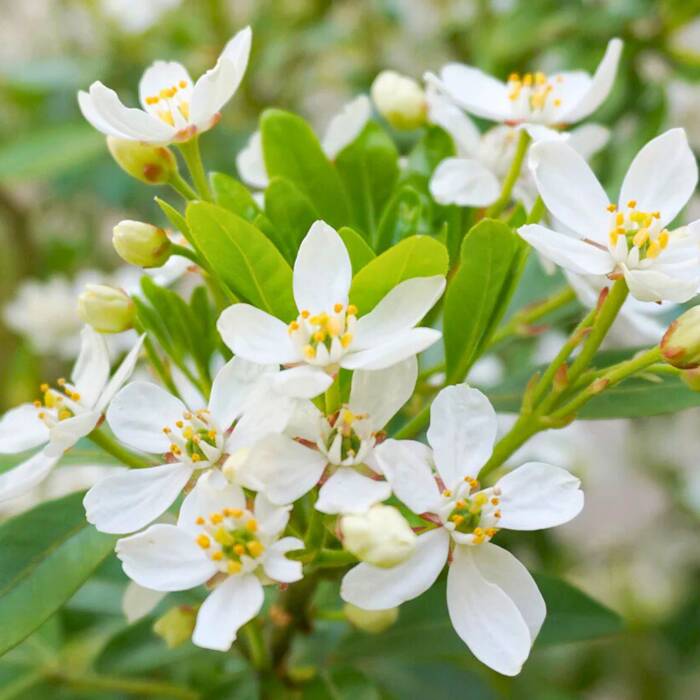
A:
415, 425
158, 365
182, 187
332, 396
132, 686
109, 444
523, 429
193, 157
332, 558
512, 177
185, 252
536, 213
257, 651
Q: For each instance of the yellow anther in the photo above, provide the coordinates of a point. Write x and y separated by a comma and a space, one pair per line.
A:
179, 423
540, 78
478, 532
334, 327
37, 404
309, 352
252, 525
611, 208
239, 549
50, 399
234, 567
461, 504
61, 381
223, 537
527, 79
653, 250
255, 548
491, 531
557, 102
352, 310
233, 512
656, 214
513, 78
495, 501
44, 388
641, 237
305, 313
218, 555
203, 541
447, 493
480, 499
152, 100
632, 203
200, 520
319, 336
663, 238
167, 430
188, 433
457, 519
338, 308
75, 396
64, 414
196, 458
216, 518
619, 219
293, 326
183, 84
42, 415
346, 339
497, 514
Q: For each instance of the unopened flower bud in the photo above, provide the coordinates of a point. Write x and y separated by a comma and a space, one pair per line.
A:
107, 309
400, 100
140, 244
372, 621
680, 345
154, 165
381, 536
176, 626
691, 378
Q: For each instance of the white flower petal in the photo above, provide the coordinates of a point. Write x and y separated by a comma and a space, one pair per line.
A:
256, 335
372, 588
211, 494
251, 163
537, 495
158, 76
655, 285
277, 566
588, 139
662, 176
400, 347
95, 118
21, 429
322, 270
400, 310
599, 87
127, 501
138, 601
218, 85
462, 431
302, 382
381, 393
164, 558
138, 414
346, 126
570, 190
67, 432
272, 519
484, 615
287, 469
571, 253
120, 377
348, 491
443, 112
407, 466
232, 603
91, 369
473, 90
465, 182
25, 476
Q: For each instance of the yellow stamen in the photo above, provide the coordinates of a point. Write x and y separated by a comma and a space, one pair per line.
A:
352, 310
338, 308
255, 548
252, 525
632, 203
203, 541
216, 518
346, 339
218, 555
234, 567
239, 549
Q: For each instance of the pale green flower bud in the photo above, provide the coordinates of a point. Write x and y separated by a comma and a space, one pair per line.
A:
372, 621
400, 100
176, 626
381, 536
154, 165
140, 244
680, 345
107, 309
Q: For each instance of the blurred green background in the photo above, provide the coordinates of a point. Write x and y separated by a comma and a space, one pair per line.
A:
635, 547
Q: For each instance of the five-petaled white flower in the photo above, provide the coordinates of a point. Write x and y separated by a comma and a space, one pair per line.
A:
148, 418
533, 100
218, 540
629, 238
174, 108
493, 602
341, 446
327, 334
63, 415
343, 128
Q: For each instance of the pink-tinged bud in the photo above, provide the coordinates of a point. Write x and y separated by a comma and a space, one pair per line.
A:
107, 309
561, 377
140, 244
154, 165
680, 345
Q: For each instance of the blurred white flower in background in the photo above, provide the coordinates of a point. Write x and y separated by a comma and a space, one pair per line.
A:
136, 16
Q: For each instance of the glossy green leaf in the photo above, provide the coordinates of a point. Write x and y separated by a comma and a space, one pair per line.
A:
401, 217
369, 169
46, 554
478, 294
234, 196
360, 253
417, 256
291, 150
243, 258
176, 219
433, 147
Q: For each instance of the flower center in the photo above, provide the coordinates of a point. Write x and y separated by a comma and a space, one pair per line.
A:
532, 92
229, 538
195, 438
171, 102
55, 406
641, 230
323, 338
343, 444
472, 512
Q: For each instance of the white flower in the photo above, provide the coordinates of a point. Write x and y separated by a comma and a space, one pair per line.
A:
683, 106
137, 17
327, 333
174, 109
218, 541
63, 416
473, 177
629, 238
342, 130
493, 602
341, 446
531, 99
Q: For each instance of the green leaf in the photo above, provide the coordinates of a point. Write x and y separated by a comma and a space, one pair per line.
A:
234, 196
243, 258
47, 152
292, 151
401, 217
340, 683
572, 616
176, 219
291, 214
434, 146
360, 253
46, 554
478, 294
369, 169
417, 256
